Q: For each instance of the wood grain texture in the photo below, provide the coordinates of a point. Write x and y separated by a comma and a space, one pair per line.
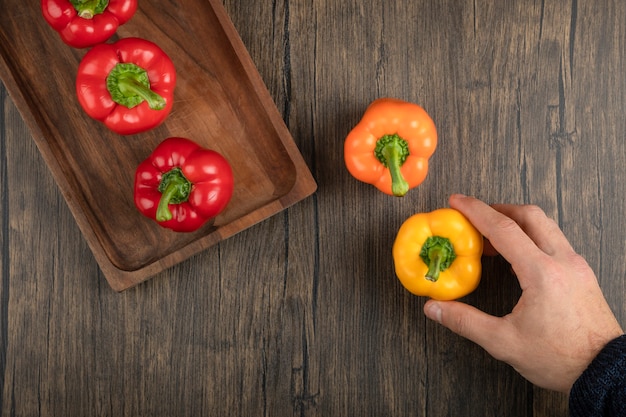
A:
300, 315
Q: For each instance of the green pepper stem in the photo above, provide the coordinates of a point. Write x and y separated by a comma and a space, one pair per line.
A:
129, 86
175, 189
438, 253
392, 151
87, 9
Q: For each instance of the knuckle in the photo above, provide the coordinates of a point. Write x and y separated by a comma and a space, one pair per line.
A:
580, 266
533, 210
461, 325
578, 262
533, 213
506, 225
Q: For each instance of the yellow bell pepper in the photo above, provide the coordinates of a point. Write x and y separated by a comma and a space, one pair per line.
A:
438, 255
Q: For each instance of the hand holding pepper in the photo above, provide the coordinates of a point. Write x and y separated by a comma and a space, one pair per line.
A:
182, 185
84, 23
128, 85
438, 255
561, 321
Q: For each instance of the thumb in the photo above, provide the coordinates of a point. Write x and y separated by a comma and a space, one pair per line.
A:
467, 321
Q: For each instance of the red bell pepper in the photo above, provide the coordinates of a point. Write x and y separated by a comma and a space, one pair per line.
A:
182, 185
84, 23
128, 85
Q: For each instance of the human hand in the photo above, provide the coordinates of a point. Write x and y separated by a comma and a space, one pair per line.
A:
561, 321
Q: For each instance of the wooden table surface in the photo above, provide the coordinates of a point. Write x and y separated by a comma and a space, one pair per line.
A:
301, 314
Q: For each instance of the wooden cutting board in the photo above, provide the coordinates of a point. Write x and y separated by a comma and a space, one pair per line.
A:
220, 102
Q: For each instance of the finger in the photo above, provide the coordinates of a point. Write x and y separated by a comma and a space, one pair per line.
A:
504, 235
490, 332
544, 231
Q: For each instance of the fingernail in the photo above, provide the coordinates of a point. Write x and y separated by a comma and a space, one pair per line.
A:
433, 311
455, 197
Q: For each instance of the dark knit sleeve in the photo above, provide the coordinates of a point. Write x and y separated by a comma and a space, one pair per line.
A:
601, 390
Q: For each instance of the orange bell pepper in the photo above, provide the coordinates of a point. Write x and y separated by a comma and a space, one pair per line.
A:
391, 145
438, 254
